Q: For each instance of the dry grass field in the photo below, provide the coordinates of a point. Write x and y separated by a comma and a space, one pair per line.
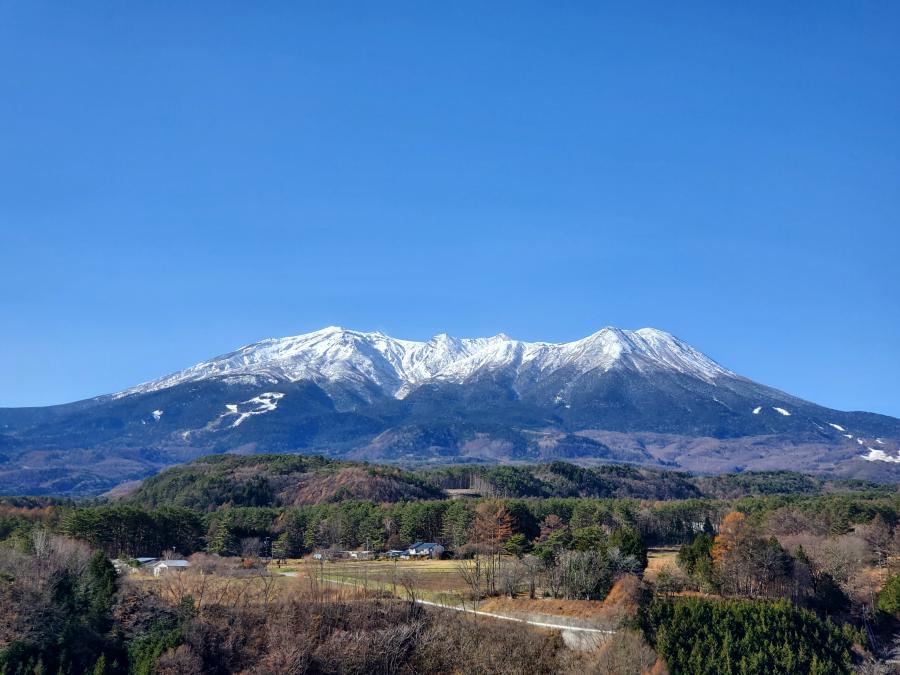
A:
658, 559
437, 580
440, 581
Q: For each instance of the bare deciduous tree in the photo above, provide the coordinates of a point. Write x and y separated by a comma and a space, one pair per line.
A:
250, 547
624, 653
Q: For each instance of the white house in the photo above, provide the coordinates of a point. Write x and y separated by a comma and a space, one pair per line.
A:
165, 566
423, 549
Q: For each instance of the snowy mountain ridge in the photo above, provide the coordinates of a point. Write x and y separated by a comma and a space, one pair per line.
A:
618, 396
395, 366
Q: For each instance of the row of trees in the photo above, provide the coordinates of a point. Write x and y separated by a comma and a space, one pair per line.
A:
565, 523
540, 524
496, 559
131, 531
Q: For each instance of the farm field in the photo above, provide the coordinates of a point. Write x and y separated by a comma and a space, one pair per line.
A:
435, 580
440, 581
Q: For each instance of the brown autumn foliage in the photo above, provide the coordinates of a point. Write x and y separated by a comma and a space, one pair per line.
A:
380, 485
492, 525
625, 593
625, 653
733, 527
550, 524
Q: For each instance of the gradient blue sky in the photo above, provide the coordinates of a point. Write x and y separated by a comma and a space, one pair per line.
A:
179, 179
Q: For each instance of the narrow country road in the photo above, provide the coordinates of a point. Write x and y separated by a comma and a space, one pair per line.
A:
576, 637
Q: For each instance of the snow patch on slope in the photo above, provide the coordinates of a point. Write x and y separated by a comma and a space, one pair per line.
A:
875, 455
836, 426
782, 411
265, 402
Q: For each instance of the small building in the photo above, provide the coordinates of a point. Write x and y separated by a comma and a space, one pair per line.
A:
361, 555
422, 549
129, 565
166, 566
330, 555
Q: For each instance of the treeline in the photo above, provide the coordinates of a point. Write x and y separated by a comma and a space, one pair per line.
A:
561, 479
295, 531
131, 531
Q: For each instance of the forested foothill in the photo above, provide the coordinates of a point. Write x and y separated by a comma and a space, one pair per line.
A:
743, 573
293, 480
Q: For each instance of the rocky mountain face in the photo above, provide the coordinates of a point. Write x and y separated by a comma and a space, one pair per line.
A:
641, 396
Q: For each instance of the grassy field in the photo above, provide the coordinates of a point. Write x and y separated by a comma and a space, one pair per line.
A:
660, 558
436, 580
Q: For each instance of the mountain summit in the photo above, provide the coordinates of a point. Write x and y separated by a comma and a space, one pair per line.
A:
640, 396
395, 367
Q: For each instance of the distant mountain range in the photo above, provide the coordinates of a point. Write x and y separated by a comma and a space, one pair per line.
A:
643, 397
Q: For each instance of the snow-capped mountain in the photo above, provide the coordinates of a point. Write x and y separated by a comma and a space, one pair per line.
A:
395, 367
640, 396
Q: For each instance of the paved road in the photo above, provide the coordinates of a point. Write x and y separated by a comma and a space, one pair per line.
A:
577, 637
505, 617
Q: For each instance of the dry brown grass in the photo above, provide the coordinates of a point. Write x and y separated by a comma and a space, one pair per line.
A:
581, 609
431, 577
658, 559
322, 627
620, 604
625, 593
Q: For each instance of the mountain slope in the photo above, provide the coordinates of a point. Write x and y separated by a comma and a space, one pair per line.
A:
641, 396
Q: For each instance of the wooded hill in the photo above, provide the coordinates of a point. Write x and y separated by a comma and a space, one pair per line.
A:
278, 480
297, 480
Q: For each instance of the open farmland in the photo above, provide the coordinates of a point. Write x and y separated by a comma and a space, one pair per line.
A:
437, 580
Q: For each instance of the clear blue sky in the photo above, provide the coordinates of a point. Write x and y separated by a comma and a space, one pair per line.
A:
179, 179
